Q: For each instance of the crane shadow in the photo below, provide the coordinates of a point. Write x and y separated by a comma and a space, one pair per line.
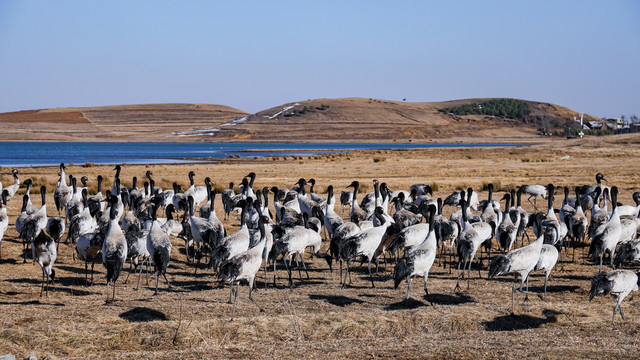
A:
8, 261
405, 305
446, 299
338, 300
553, 288
143, 314
520, 322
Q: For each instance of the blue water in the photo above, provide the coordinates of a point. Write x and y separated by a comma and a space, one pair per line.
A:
48, 153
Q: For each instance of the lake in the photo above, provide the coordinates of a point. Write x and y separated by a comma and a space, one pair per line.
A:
53, 153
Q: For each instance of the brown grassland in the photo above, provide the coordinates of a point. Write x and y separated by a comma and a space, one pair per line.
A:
318, 319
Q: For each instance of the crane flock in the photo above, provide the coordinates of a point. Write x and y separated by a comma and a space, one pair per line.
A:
123, 226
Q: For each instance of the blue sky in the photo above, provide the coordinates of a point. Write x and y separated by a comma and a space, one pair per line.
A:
254, 55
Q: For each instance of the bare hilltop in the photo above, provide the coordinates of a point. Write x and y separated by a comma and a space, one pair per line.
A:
330, 120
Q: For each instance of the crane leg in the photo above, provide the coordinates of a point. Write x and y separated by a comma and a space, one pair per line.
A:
113, 297
621, 312
167, 280
236, 297
251, 297
427, 291
139, 276
42, 285
513, 293
298, 266
156, 276
344, 282
265, 274
601, 256
458, 277
370, 276
406, 300
289, 271
469, 274
305, 267
545, 285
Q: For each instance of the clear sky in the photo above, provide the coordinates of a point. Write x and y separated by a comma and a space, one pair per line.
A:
254, 55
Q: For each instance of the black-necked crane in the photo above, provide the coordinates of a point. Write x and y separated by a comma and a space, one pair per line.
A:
245, 265
589, 197
88, 247
306, 204
345, 199
74, 205
22, 217
292, 246
468, 242
206, 208
578, 224
199, 193
534, 191
13, 188
547, 261
43, 250
30, 207
630, 210
96, 202
340, 236
82, 222
411, 236
235, 243
402, 217
418, 260
228, 202
35, 223
599, 215
357, 214
62, 193
628, 252
205, 233
524, 217
137, 252
331, 220
55, 228
315, 197
365, 244
158, 244
114, 248
520, 261
456, 196
4, 218
248, 189
446, 233
607, 235
617, 283
507, 232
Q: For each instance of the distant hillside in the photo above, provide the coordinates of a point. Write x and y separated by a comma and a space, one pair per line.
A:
344, 119
359, 119
151, 122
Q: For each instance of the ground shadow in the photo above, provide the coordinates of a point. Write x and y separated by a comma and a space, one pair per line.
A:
405, 305
143, 314
338, 300
520, 322
553, 288
446, 299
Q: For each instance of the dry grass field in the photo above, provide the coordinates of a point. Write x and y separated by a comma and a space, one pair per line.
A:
318, 319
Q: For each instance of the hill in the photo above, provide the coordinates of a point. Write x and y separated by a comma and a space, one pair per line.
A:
151, 122
358, 119
344, 119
